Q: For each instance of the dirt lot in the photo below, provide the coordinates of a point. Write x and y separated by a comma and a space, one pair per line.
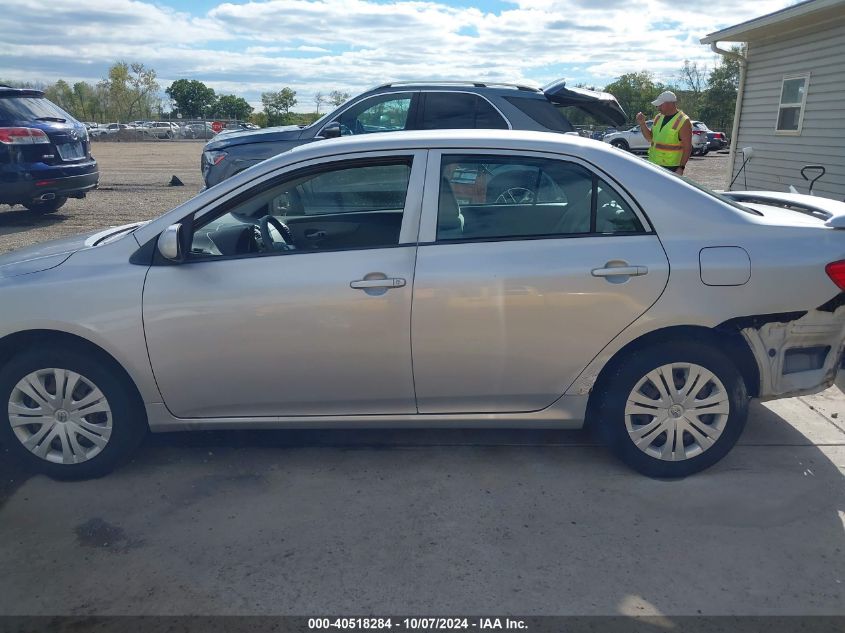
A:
134, 186
134, 181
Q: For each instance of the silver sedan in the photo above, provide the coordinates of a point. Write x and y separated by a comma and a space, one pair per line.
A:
431, 279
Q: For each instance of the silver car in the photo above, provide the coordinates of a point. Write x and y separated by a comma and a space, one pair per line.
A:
428, 279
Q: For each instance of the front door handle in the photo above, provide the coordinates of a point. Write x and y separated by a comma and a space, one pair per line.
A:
620, 271
369, 284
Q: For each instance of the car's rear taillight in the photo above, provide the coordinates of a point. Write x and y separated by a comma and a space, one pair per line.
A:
22, 136
836, 272
214, 157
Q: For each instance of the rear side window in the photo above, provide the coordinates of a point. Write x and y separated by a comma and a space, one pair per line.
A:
484, 197
458, 110
543, 113
30, 108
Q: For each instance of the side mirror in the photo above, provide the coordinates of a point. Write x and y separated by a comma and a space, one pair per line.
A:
170, 243
332, 130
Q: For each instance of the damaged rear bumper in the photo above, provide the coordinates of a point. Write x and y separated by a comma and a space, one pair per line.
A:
800, 356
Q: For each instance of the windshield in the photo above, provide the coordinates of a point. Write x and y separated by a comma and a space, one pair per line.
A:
30, 109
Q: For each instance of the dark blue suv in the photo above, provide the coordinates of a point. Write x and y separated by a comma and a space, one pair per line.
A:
45, 154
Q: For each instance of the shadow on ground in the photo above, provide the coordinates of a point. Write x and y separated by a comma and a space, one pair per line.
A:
18, 220
431, 521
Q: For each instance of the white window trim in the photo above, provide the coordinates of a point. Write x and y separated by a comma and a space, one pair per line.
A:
806, 78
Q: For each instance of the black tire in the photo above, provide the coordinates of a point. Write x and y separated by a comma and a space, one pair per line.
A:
705, 151
621, 144
129, 423
47, 206
608, 413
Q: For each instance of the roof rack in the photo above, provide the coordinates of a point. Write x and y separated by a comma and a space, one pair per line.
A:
474, 84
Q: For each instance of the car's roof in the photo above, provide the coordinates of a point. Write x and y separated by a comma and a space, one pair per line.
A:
456, 85
8, 91
507, 90
445, 139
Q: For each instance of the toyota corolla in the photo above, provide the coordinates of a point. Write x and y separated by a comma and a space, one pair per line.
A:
429, 279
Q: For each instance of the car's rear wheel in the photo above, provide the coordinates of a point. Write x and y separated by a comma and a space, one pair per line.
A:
621, 144
68, 413
672, 410
46, 206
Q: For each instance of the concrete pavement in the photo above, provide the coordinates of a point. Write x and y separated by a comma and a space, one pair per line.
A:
463, 522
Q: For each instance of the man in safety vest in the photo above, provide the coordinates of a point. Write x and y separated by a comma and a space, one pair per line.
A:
670, 135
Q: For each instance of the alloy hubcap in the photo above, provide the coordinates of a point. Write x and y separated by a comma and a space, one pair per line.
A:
60, 416
677, 411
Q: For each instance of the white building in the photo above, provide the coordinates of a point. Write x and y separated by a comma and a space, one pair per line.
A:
791, 101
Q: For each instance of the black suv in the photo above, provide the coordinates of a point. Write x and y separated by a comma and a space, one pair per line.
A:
45, 154
415, 106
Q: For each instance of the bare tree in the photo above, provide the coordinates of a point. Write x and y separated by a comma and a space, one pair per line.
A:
336, 97
694, 80
320, 99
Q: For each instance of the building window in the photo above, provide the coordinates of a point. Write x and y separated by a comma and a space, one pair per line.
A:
793, 97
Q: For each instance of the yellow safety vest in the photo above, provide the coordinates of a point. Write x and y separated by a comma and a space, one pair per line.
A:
666, 148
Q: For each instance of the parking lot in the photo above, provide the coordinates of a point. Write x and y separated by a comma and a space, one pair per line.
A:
415, 521
134, 181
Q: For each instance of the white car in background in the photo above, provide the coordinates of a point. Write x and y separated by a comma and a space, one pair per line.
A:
161, 129
632, 140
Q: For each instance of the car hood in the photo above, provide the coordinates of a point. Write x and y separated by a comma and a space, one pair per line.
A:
601, 105
264, 135
46, 255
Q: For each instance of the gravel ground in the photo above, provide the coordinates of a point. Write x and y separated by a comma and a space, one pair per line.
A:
134, 186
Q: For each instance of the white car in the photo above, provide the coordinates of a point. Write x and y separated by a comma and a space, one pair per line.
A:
161, 129
553, 281
632, 140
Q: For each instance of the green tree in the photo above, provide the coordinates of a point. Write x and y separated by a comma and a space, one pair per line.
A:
635, 92
719, 100
85, 101
336, 97
277, 105
61, 94
193, 98
259, 118
233, 107
131, 89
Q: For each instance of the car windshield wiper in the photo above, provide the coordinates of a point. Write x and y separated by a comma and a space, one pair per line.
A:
50, 118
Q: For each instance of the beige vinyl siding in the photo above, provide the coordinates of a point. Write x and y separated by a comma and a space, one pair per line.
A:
819, 51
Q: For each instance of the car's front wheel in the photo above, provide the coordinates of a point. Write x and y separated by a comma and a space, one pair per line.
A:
671, 410
68, 413
620, 143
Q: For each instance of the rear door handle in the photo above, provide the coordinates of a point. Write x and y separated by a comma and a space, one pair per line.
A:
367, 284
620, 271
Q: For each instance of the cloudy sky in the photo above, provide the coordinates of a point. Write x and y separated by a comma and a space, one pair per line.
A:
320, 45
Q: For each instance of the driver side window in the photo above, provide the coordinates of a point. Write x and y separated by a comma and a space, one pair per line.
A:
345, 206
388, 113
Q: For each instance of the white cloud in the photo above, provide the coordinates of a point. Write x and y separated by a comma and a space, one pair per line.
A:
320, 45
